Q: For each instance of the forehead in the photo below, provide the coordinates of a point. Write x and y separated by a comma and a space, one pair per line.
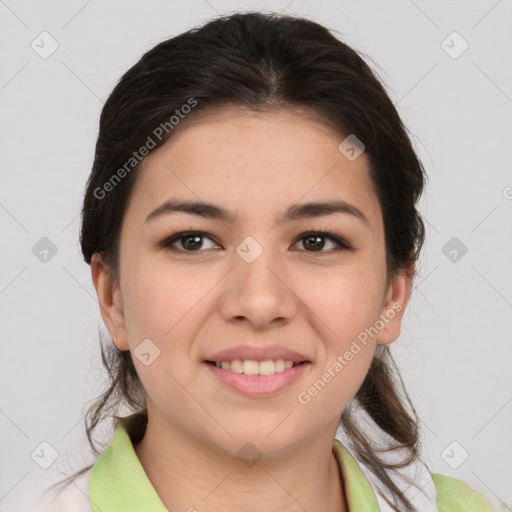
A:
253, 161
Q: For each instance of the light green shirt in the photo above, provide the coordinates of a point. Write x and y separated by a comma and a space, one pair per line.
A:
118, 483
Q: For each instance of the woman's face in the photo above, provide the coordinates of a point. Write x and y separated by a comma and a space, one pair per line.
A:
253, 280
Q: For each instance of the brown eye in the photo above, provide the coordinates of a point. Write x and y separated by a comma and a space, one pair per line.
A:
316, 241
189, 241
192, 242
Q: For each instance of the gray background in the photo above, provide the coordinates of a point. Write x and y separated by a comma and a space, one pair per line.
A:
455, 348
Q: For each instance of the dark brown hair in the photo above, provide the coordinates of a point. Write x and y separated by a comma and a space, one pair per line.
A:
262, 62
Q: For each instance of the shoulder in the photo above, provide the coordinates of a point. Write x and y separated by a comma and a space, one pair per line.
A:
427, 491
74, 497
454, 495
414, 480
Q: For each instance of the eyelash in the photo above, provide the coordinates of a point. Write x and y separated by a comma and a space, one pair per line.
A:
341, 244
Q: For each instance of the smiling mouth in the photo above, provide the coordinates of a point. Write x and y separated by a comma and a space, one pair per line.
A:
252, 367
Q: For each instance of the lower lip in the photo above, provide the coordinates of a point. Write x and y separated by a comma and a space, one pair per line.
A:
258, 385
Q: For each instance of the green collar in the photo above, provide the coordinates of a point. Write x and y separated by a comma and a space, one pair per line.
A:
118, 480
359, 493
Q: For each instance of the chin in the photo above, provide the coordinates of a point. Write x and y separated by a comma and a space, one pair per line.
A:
260, 438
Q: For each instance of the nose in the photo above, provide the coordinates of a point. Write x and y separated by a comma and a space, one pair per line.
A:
257, 293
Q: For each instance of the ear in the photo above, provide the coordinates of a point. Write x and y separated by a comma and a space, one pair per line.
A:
110, 301
393, 308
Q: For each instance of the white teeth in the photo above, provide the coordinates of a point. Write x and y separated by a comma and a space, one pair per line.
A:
267, 367
251, 367
236, 366
279, 365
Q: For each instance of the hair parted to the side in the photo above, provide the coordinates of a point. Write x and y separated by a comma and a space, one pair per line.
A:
262, 62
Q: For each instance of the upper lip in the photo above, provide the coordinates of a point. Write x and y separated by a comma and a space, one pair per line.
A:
247, 352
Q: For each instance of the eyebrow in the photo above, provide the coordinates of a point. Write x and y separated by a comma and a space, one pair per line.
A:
294, 212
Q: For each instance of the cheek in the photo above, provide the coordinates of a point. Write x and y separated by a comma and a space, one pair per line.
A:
345, 303
348, 349
332, 388
161, 306
167, 308
345, 309
160, 302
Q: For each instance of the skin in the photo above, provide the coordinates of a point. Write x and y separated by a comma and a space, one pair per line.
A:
192, 304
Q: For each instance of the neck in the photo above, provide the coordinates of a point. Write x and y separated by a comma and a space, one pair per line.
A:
192, 475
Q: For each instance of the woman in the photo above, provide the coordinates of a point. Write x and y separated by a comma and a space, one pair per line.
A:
251, 226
